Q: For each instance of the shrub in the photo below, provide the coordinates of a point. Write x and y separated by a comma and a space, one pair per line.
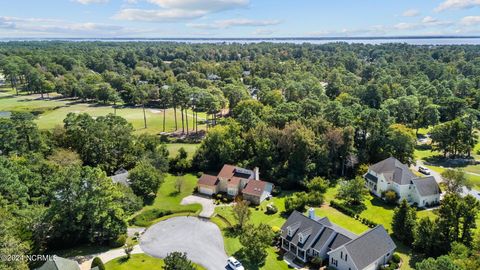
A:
144, 218
97, 262
297, 201
271, 209
119, 242
396, 258
276, 190
390, 196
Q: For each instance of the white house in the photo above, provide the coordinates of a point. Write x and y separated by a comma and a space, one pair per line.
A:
391, 174
305, 238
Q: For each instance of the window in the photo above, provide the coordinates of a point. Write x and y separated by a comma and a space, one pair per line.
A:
341, 254
346, 256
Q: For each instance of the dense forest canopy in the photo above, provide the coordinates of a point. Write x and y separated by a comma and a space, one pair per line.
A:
297, 112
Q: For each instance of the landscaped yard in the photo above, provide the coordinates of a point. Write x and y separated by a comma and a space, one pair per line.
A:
169, 199
137, 262
53, 111
189, 147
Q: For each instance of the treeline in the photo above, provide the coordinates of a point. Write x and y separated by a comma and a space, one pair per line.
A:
417, 86
54, 189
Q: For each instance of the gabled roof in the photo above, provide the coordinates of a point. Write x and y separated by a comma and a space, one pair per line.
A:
300, 223
229, 171
319, 232
208, 180
394, 171
59, 263
255, 187
426, 186
369, 246
121, 176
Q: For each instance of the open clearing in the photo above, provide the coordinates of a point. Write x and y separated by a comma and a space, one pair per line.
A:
53, 111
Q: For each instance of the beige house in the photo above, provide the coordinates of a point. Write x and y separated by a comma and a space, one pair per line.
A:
234, 181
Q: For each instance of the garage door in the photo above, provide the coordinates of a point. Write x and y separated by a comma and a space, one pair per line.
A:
205, 190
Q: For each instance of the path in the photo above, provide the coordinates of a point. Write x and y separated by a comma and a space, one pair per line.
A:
208, 207
86, 261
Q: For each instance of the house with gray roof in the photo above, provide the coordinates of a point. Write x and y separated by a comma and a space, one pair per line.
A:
391, 174
121, 176
59, 263
307, 237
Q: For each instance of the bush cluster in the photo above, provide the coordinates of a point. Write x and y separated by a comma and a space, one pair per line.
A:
144, 218
349, 212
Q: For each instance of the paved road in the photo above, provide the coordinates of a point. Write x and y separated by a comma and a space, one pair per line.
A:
199, 238
208, 208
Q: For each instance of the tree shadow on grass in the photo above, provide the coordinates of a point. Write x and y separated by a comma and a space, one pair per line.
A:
174, 193
232, 232
123, 259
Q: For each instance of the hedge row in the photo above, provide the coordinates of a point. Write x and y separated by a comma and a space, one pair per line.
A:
349, 212
144, 218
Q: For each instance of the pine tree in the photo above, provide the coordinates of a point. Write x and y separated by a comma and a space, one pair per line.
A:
403, 223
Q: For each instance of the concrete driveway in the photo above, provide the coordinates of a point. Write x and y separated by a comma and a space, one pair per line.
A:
208, 207
433, 173
199, 238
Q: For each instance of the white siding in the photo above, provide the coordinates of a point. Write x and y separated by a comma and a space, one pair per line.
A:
339, 261
205, 190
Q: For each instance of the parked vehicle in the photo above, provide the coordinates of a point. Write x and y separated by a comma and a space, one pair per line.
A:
235, 264
424, 170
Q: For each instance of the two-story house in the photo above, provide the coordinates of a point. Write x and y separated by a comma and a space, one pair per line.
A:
307, 237
391, 174
235, 181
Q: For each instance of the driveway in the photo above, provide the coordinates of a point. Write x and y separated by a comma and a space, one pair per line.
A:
208, 207
199, 238
433, 173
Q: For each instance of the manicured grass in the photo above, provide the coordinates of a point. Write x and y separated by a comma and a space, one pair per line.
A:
189, 147
138, 262
168, 199
53, 111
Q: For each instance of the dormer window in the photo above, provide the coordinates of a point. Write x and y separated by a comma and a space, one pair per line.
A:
301, 238
289, 231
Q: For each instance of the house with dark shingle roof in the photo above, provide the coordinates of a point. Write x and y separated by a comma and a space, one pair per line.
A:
307, 237
121, 177
59, 263
370, 250
234, 181
391, 174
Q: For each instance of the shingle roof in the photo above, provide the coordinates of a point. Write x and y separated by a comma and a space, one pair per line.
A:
320, 231
426, 186
300, 223
121, 176
207, 180
370, 246
59, 263
393, 170
255, 187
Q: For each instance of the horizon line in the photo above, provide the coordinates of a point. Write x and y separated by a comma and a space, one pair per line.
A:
254, 38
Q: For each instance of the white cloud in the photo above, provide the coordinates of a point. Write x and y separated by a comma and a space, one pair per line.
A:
206, 5
223, 24
47, 27
179, 10
457, 4
151, 15
411, 13
263, 32
86, 2
470, 20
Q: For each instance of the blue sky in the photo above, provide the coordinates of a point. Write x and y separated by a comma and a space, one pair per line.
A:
237, 18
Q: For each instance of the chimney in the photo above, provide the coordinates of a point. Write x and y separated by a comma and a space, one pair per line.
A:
311, 213
256, 173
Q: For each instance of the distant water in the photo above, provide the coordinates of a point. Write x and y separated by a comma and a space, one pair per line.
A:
474, 40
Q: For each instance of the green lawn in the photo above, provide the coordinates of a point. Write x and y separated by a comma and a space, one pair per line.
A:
189, 147
168, 199
52, 112
137, 262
